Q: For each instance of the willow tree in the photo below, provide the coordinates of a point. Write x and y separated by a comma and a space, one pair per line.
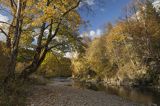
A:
52, 23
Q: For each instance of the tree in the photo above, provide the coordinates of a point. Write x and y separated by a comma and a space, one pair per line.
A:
55, 65
97, 56
128, 53
64, 21
53, 23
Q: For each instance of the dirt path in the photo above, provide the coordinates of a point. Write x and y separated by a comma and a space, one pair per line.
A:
60, 95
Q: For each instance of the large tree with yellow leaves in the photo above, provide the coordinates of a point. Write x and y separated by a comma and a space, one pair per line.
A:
53, 23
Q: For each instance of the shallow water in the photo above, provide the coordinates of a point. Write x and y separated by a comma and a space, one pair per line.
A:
141, 95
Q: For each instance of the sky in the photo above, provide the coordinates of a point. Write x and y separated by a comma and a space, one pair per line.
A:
110, 11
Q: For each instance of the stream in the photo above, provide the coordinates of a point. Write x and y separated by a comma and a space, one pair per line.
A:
141, 95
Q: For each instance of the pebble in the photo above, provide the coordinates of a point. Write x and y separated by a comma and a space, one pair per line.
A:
54, 95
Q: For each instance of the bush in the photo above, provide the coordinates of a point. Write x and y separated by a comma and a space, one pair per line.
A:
3, 63
80, 67
55, 66
13, 94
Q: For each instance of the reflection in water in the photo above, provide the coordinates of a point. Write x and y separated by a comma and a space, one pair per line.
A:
144, 96
132, 94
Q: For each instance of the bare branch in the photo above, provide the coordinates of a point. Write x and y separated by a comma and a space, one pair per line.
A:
60, 21
59, 44
13, 4
6, 23
3, 32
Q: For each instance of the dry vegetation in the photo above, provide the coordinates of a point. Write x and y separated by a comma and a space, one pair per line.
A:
127, 53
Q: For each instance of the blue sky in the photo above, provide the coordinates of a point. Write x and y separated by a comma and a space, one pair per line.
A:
110, 11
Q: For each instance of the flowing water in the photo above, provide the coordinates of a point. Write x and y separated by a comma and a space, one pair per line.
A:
141, 95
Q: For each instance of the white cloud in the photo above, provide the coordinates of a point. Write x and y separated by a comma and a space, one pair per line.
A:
93, 33
99, 32
3, 18
96, 33
156, 4
90, 2
2, 37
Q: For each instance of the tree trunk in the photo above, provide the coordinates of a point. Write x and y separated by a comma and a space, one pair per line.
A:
15, 46
10, 33
42, 51
33, 67
8, 42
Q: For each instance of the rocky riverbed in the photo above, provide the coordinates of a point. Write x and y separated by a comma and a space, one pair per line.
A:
61, 94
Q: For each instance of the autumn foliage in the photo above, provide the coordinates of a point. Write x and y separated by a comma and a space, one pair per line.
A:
128, 52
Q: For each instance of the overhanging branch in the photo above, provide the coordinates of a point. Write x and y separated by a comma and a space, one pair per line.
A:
50, 48
60, 21
2, 31
6, 23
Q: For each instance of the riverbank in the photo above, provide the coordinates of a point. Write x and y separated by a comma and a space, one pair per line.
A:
58, 94
116, 83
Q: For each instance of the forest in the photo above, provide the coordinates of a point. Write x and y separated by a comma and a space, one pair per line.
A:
127, 53
42, 47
